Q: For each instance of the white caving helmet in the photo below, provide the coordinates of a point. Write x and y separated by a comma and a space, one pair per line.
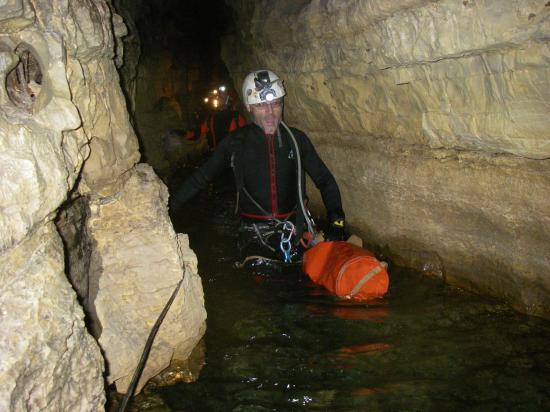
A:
262, 86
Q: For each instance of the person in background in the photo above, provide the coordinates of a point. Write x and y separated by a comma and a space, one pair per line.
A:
269, 160
220, 123
214, 122
200, 128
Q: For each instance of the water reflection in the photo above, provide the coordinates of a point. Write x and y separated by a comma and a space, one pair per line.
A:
350, 311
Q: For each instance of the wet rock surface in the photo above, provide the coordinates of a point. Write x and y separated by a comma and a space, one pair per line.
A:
66, 142
130, 285
48, 359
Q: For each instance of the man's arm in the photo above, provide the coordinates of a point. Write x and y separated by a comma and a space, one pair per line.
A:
322, 177
204, 175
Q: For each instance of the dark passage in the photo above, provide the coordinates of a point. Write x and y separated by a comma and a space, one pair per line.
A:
276, 342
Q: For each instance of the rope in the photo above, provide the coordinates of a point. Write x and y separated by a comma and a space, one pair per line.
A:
300, 189
147, 348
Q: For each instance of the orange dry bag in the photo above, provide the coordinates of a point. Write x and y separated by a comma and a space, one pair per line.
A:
348, 271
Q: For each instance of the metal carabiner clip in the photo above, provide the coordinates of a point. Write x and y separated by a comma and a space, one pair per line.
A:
286, 235
286, 248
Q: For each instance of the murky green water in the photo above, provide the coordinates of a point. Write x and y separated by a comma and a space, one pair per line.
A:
278, 343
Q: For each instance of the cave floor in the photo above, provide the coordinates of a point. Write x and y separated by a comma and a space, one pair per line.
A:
276, 342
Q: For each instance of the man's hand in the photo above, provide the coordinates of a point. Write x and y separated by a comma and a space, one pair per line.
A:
335, 231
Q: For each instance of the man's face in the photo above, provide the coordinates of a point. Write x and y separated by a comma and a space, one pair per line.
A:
267, 115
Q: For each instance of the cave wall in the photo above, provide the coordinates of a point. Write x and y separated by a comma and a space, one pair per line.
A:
433, 117
48, 359
68, 156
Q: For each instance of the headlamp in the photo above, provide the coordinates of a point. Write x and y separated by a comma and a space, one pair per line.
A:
267, 95
263, 86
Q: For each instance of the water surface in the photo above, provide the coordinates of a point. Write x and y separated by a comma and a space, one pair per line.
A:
276, 342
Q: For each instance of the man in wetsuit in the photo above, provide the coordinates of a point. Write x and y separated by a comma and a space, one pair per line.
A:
269, 177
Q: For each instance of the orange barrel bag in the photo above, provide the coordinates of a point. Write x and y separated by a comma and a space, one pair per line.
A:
346, 270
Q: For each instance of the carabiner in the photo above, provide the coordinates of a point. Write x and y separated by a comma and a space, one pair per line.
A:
285, 244
286, 247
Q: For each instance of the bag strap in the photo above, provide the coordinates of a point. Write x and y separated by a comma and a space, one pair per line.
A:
364, 280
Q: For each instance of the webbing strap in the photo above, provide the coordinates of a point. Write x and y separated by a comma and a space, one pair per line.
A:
262, 241
364, 280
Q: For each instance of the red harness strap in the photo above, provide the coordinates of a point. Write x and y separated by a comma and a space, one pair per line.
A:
267, 217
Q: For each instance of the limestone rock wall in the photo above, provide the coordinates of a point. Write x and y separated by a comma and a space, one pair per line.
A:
48, 359
433, 116
135, 281
65, 139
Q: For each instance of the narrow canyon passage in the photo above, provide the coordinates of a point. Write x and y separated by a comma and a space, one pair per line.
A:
420, 123
277, 342
432, 118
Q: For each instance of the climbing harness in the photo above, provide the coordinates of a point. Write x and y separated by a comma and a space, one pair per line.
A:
292, 234
277, 236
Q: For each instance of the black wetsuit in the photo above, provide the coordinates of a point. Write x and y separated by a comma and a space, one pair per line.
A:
266, 174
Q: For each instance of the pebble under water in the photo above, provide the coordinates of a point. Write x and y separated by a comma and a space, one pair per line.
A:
276, 342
